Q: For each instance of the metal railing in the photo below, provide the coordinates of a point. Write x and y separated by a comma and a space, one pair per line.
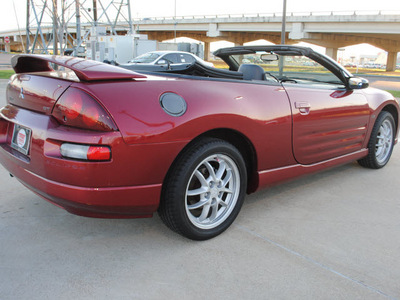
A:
273, 15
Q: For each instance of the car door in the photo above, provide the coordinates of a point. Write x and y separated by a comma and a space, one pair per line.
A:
328, 119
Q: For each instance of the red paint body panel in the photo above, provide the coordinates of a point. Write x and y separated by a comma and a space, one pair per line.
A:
334, 124
262, 113
126, 168
278, 175
123, 201
148, 139
378, 100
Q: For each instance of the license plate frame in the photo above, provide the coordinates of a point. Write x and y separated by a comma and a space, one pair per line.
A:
21, 139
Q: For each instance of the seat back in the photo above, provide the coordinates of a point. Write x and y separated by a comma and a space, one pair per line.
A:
252, 72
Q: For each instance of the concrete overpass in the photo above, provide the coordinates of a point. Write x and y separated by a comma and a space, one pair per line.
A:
331, 30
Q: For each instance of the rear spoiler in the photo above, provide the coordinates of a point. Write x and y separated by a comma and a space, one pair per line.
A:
85, 70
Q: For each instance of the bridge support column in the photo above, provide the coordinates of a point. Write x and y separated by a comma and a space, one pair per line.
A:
206, 51
332, 53
391, 61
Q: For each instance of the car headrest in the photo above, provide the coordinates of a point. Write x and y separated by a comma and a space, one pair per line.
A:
252, 72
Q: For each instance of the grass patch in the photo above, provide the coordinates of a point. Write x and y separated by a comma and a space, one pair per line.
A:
395, 93
5, 74
381, 72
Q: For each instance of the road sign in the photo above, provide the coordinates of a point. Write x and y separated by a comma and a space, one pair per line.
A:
7, 39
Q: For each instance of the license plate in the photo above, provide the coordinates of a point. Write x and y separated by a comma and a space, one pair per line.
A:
21, 139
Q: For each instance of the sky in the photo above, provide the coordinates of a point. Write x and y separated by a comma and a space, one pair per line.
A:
153, 8
166, 8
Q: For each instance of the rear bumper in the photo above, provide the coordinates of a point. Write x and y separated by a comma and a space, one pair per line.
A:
102, 202
126, 186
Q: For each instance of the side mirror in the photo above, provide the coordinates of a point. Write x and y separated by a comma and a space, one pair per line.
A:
357, 83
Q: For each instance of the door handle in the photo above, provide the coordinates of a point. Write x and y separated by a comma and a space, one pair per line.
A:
303, 107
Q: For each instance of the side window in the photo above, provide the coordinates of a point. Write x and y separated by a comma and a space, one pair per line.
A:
301, 69
291, 67
171, 58
186, 58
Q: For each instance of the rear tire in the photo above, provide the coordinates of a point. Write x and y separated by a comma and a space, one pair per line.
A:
381, 142
205, 190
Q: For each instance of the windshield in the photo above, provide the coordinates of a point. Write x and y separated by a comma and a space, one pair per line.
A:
145, 58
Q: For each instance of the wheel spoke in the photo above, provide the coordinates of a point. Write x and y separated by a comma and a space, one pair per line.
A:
387, 132
201, 178
214, 211
226, 190
197, 192
221, 170
223, 203
205, 211
198, 204
227, 178
211, 170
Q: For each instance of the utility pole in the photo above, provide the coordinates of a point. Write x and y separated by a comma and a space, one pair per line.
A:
130, 18
61, 29
78, 28
55, 28
95, 12
27, 26
50, 24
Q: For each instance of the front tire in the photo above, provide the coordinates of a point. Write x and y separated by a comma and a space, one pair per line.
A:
380, 145
205, 190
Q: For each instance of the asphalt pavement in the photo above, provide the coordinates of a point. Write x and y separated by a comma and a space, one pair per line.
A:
332, 235
383, 82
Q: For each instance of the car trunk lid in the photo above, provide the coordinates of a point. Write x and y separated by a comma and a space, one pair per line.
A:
34, 92
42, 79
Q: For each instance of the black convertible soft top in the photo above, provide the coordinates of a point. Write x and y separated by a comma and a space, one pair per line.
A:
193, 69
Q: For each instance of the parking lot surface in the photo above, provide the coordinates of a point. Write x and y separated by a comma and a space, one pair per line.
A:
332, 235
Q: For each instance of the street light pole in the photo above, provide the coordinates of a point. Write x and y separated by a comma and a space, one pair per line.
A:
175, 23
283, 33
283, 36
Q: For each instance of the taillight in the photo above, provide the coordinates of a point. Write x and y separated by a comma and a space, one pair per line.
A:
75, 108
86, 152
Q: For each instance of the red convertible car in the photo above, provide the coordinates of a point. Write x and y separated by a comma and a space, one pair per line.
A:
102, 141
